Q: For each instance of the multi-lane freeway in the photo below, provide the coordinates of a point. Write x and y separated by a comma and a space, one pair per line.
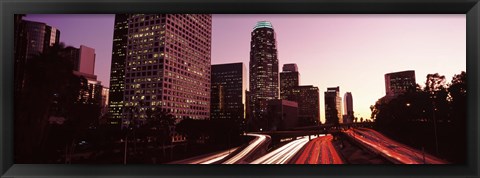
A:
283, 154
319, 151
235, 155
314, 150
207, 158
253, 146
391, 149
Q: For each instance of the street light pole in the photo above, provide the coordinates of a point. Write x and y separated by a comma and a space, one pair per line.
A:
126, 137
125, 151
435, 123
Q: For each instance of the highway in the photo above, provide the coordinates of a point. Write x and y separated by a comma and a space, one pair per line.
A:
233, 156
253, 146
208, 158
283, 154
319, 151
391, 149
216, 157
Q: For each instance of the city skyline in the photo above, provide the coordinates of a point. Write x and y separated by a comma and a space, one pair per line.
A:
331, 45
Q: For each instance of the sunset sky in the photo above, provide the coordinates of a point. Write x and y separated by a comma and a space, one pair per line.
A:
350, 51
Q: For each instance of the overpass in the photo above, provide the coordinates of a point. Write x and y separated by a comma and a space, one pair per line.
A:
339, 126
288, 135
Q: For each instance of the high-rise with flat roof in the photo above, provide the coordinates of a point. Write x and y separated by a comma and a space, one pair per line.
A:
308, 99
31, 39
399, 82
117, 70
289, 78
20, 54
83, 58
348, 105
306, 96
87, 60
168, 64
282, 115
40, 37
333, 106
229, 82
264, 75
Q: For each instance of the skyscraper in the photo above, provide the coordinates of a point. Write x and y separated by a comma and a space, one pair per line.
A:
348, 105
282, 115
308, 99
306, 96
73, 54
333, 106
399, 82
289, 78
117, 71
83, 58
40, 37
168, 65
87, 60
31, 39
264, 76
228, 91
20, 54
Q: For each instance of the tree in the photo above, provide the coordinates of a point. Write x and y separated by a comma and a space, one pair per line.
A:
158, 126
458, 98
434, 111
435, 83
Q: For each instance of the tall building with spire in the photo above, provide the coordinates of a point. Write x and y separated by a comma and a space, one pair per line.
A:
264, 74
167, 65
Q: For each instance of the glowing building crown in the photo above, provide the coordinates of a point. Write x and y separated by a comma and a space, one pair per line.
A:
263, 24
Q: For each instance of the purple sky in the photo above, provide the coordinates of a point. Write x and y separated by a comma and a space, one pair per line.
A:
95, 31
350, 51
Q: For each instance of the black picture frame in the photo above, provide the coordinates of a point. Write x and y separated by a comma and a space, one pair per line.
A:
10, 7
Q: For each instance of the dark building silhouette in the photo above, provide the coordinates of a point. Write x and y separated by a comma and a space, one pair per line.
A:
168, 65
333, 106
308, 99
40, 37
104, 104
31, 39
348, 105
264, 75
249, 122
72, 54
83, 58
91, 89
399, 82
306, 96
229, 82
289, 78
20, 54
117, 70
282, 115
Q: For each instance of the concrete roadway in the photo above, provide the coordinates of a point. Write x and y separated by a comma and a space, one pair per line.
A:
319, 151
391, 149
232, 156
284, 154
